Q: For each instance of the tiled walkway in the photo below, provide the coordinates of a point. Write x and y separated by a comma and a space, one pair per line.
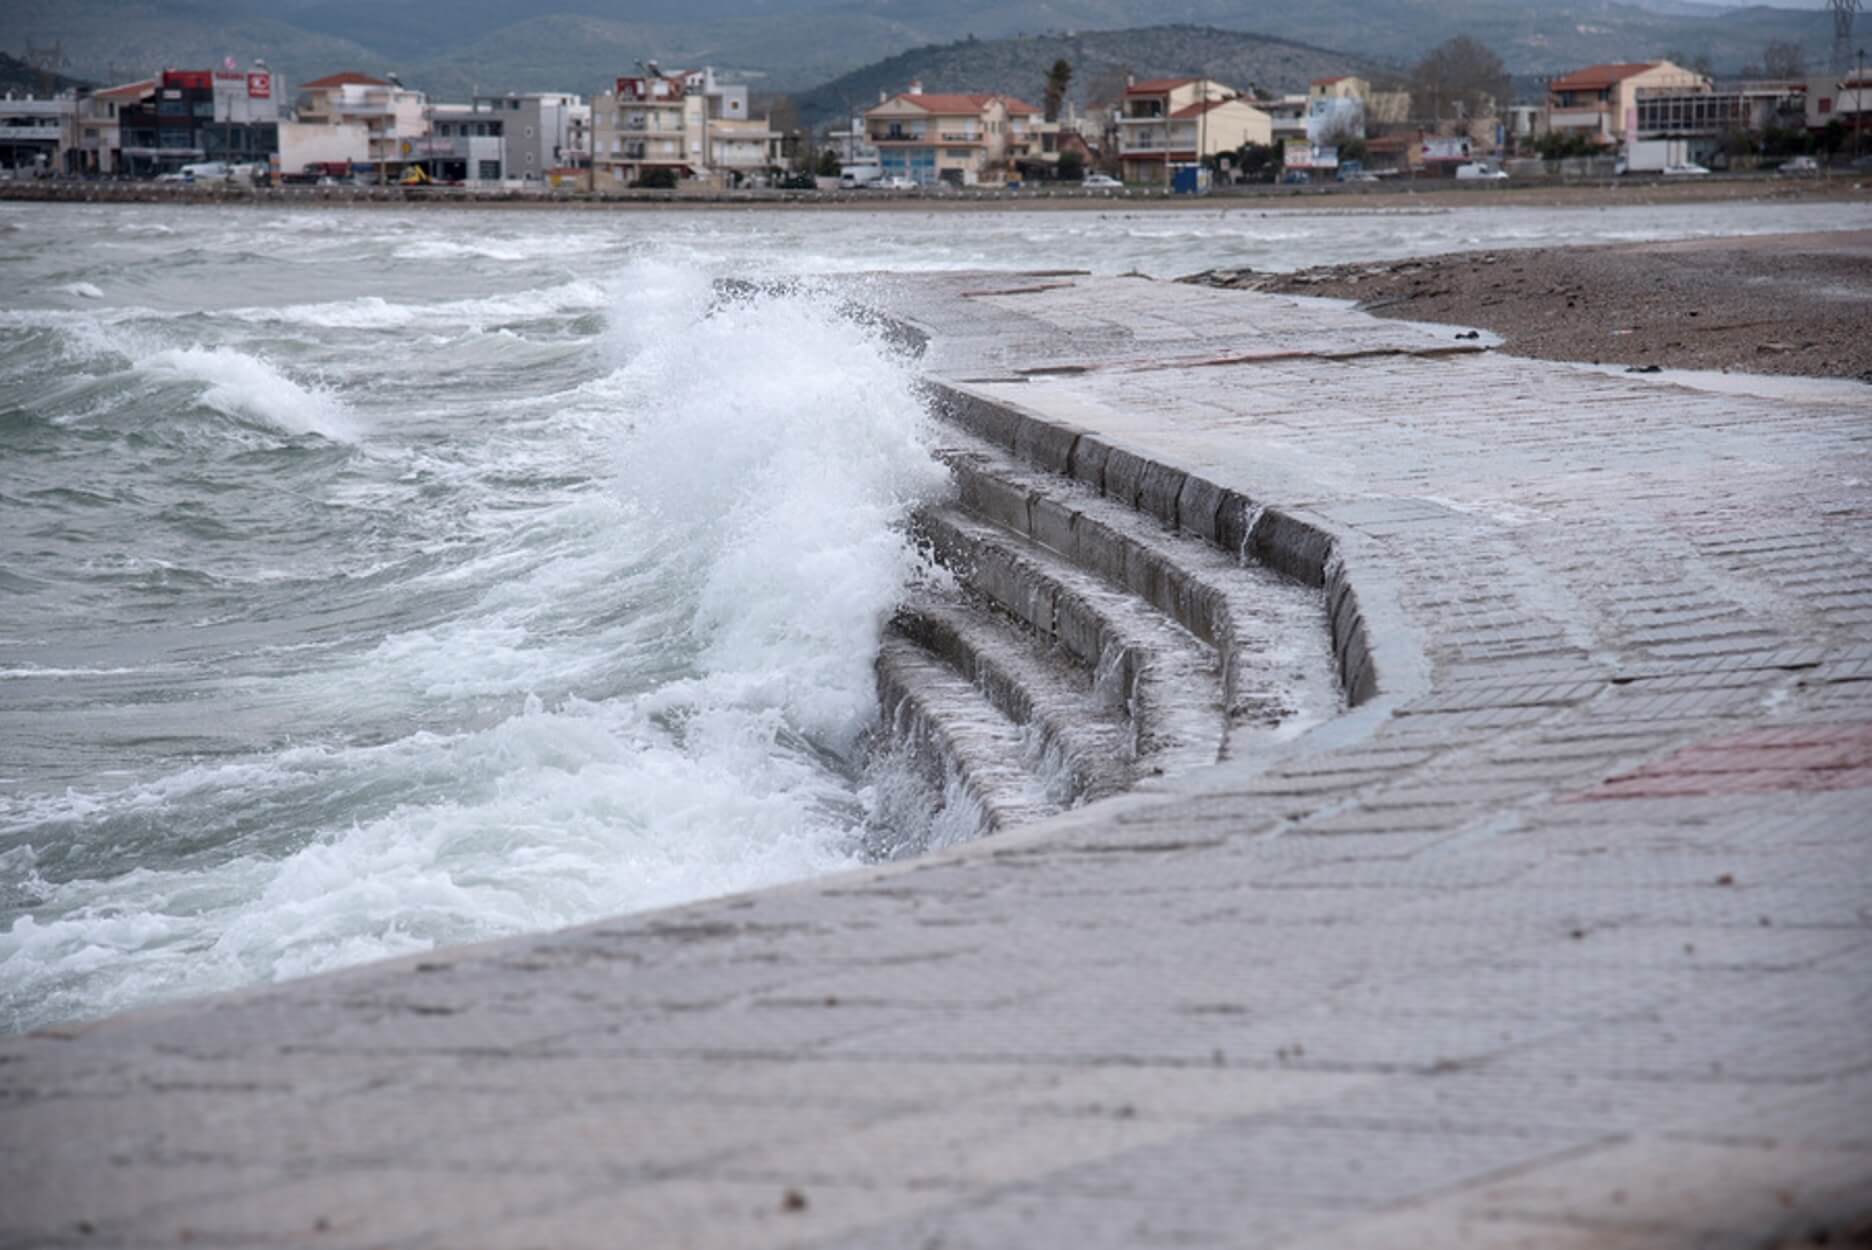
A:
1565, 939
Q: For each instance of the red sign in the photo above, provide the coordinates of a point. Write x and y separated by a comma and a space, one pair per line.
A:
260, 86
189, 79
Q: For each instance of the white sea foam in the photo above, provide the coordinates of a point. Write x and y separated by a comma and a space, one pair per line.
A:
741, 562
83, 290
249, 388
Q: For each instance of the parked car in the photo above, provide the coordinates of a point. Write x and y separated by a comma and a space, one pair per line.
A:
1684, 169
1362, 175
899, 183
1100, 182
1799, 167
1296, 177
1475, 172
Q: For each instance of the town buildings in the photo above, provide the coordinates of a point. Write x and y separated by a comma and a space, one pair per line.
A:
683, 124
962, 140
98, 143
1599, 104
195, 116
35, 131
1173, 123
355, 121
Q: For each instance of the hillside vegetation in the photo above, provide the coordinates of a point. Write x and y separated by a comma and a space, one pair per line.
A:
1099, 59
451, 47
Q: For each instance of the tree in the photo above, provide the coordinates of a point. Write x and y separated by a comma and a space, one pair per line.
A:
1056, 80
1698, 63
1256, 160
1460, 78
1781, 59
1071, 167
828, 164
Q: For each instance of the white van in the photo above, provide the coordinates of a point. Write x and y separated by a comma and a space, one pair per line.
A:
852, 177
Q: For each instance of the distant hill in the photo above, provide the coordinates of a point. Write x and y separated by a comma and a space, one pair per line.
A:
450, 47
21, 78
1099, 59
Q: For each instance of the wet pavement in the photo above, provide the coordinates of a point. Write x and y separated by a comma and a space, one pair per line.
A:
1562, 937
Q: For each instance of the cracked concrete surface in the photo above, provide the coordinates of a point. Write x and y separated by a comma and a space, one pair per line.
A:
1563, 939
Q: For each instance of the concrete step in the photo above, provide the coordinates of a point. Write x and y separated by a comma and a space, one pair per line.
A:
1169, 680
1081, 748
1271, 632
964, 747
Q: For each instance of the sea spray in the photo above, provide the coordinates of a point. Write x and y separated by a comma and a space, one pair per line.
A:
639, 673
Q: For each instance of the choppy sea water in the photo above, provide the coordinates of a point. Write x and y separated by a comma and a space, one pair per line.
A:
377, 579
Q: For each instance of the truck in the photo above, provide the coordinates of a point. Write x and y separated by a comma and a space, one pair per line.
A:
1654, 156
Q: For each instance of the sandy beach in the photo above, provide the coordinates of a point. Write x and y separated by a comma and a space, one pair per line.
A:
1787, 304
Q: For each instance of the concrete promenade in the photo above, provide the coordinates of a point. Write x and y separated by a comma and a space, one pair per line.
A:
1563, 939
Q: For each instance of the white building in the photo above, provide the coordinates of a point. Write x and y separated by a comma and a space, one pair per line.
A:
371, 124
683, 124
36, 131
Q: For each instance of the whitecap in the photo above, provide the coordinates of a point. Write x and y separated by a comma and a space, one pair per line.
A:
249, 388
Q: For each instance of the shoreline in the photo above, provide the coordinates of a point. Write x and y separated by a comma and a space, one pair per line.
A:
1779, 304
1430, 195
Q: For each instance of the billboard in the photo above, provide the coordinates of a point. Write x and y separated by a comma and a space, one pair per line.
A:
1299, 154
260, 86
1438, 148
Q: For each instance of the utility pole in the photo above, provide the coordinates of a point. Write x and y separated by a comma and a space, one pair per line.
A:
1843, 13
1859, 109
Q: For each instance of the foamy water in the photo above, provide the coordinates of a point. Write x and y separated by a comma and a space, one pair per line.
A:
375, 580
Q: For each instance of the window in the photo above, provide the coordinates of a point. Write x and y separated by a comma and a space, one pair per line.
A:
490, 171
529, 132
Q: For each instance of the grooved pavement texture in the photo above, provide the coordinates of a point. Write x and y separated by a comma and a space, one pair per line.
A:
1565, 940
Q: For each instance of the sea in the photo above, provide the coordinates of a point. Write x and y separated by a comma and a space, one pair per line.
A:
374, 579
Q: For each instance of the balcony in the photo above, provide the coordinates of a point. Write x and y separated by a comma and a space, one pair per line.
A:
1577, 119
961, 136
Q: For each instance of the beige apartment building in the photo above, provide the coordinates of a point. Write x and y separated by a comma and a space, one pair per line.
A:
1169, 123
357, 119
1600, 102
963, 140
685, 121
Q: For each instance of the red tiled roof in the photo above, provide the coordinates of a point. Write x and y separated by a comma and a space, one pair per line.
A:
339, 80
963, 102
1199, 108
950, 103
129, 88
1157, 86
1599, 77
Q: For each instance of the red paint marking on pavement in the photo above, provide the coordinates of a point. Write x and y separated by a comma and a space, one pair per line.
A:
1796, 758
